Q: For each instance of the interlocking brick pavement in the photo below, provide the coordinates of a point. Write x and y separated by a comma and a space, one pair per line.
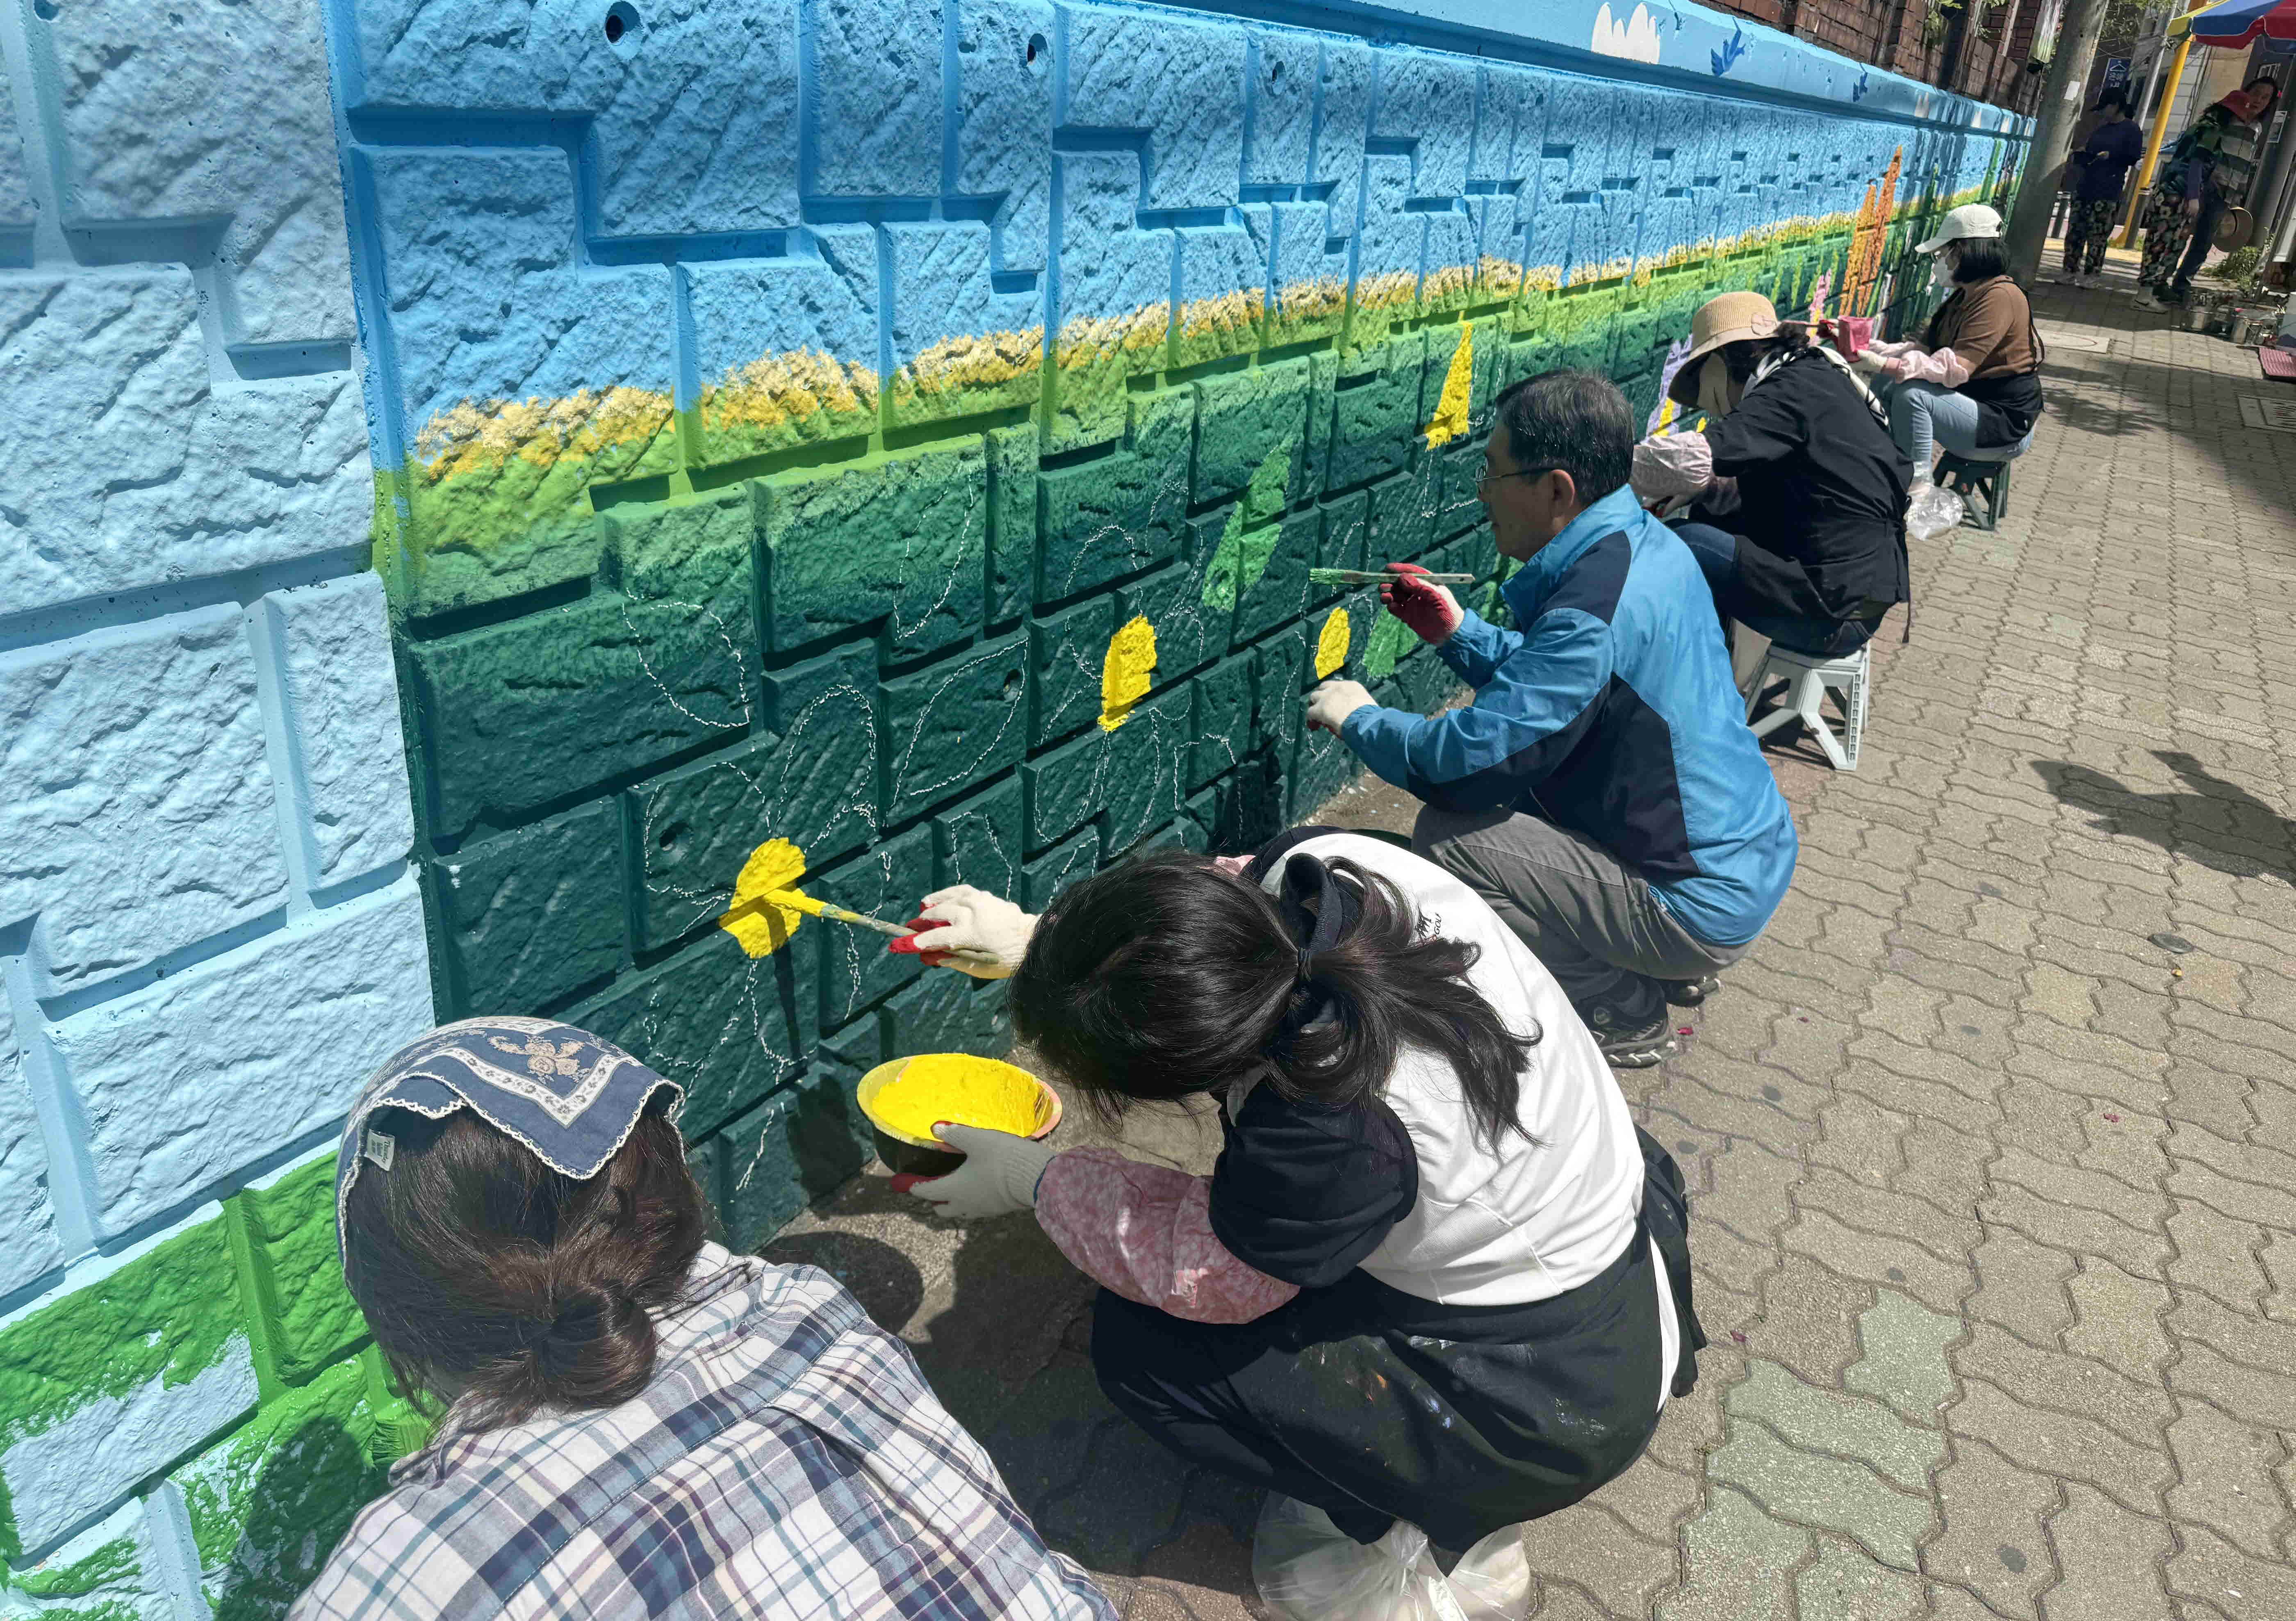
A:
1993, 1138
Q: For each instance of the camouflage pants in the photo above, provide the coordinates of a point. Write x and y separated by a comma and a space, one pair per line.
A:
2085, 235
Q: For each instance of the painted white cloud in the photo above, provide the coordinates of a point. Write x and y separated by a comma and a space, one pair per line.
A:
1636, 38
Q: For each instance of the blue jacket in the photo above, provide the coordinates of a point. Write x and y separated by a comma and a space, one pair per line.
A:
1612, 714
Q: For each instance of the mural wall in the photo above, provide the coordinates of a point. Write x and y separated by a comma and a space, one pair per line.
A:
207, 918
870, 444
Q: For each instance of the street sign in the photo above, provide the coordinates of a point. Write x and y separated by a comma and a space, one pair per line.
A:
2116, 73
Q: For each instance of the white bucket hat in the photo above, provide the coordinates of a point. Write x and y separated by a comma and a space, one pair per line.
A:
1972, 221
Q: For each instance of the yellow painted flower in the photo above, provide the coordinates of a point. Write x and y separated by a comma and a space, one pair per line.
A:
1450, 419
1127, 671
1332, 645
764, 926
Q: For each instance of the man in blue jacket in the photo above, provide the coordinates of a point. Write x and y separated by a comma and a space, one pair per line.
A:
1602, 791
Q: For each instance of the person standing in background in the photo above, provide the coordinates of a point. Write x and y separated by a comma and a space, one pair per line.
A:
2106, 157
2189, 195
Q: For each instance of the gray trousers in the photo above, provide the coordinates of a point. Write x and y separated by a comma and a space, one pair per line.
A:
1592, 922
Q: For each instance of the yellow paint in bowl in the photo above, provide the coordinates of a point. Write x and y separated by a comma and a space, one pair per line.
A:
907, 1098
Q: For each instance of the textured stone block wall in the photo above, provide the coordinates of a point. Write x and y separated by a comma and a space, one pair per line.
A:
783, 416
209, 926
783, 409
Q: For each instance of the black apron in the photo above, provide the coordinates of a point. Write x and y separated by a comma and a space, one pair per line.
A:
1376, 1405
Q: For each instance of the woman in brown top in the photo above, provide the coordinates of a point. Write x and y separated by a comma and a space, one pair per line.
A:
1972, 383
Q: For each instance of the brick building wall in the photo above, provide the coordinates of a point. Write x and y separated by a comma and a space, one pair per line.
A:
780, 420
1989, 64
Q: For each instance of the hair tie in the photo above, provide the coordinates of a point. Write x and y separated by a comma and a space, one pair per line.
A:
1300, 974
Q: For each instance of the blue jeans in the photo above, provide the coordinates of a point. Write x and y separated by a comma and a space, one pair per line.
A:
1924, 417
1717, 552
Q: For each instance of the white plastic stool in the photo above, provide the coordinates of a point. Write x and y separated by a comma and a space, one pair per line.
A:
1809, 676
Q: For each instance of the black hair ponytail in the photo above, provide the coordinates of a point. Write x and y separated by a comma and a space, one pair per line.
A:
1165, 977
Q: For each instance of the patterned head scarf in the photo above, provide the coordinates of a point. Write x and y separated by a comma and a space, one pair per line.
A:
573, 1098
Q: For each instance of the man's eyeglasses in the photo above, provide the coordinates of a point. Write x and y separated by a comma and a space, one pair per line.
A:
1486, 478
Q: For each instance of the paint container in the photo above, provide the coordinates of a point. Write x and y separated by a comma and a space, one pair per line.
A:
1028, 1107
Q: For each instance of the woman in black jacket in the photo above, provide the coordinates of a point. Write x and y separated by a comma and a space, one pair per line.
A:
1796, 491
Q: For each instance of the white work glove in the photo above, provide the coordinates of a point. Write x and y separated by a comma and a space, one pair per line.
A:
1330, 704
990, 933
999, 1174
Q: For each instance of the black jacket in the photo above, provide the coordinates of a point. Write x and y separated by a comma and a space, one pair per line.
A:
1822, 494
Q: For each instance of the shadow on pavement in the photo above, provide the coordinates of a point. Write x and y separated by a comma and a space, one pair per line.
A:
2109, 418
2160, 392
1000, 1323
2218, 824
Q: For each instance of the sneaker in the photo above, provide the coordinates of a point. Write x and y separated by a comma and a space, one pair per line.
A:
2150, 299
1690, 992
1629, 1042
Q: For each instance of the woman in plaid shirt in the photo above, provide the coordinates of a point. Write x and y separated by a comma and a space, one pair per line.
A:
636, 1422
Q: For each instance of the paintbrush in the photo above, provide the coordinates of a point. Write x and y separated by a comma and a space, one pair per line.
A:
1352, 577
812, 907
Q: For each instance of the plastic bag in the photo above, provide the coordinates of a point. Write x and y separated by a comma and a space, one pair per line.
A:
1308, 1569
1492, 1580
1934, 510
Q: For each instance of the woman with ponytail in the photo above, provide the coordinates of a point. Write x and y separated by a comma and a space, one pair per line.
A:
1437, 1281
630, 1421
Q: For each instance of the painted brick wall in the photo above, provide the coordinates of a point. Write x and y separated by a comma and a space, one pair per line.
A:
787, 470
209, 926
782, 414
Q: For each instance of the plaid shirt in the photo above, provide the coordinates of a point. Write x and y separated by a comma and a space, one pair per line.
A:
787, 1459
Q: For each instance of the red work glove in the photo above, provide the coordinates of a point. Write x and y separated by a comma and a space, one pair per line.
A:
1430, 611
907, 946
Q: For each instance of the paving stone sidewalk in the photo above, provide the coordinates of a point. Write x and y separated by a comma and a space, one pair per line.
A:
1993, 1138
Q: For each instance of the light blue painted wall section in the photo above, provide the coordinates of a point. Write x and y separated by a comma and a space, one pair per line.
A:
1688, 47
208, 926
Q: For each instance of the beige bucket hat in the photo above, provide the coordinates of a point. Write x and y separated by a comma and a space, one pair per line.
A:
1726, 318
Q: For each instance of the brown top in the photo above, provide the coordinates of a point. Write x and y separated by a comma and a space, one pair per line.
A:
1989, 324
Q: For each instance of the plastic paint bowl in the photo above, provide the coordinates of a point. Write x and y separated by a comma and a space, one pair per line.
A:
1025, 1102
